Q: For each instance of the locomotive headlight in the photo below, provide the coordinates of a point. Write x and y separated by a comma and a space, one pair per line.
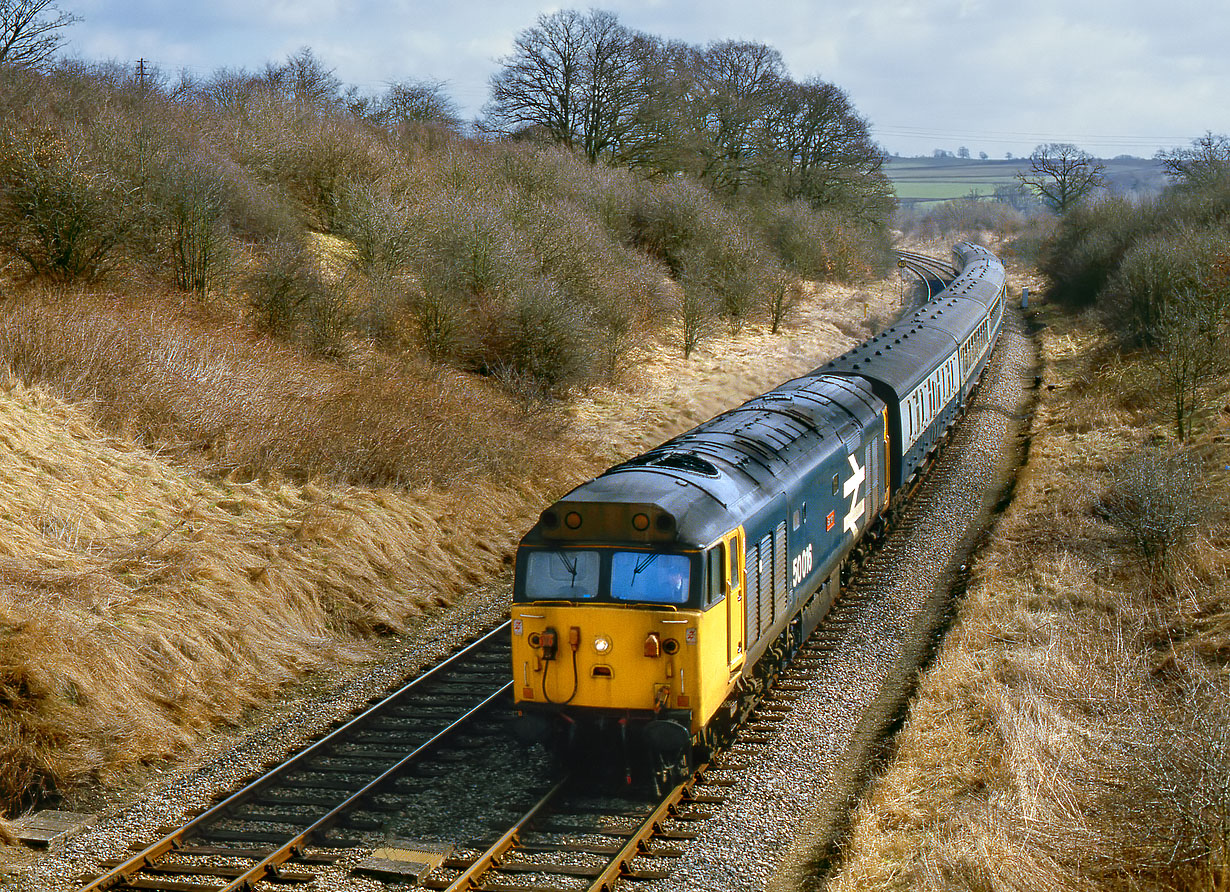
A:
602, 644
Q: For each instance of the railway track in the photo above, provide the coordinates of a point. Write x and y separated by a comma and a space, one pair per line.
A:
935, 274
572, 838
294, 820
329, 785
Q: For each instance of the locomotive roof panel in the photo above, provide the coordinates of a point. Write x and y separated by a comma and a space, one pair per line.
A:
737, 460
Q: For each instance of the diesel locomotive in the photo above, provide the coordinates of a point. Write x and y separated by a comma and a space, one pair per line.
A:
648, 600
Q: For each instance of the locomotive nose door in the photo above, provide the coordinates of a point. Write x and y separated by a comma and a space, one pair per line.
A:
736, 613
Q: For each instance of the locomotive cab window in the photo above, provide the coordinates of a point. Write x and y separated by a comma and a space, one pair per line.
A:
715, 573
650, 576
566, 574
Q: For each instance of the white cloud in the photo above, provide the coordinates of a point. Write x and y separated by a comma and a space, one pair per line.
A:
928, 73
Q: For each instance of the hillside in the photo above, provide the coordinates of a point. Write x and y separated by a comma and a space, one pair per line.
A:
1074, 730
145, 601
278, 380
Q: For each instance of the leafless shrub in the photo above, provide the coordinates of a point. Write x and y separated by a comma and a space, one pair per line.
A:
376, 224
545, 340
1154, 498
617, 335
697, 311
782, 295
282, 287
438, 322
207, 389
971, 217
820, 244
467, 251
1191, 348
197, 234
62, 215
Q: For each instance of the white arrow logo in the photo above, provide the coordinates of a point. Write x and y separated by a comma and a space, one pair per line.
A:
853, 482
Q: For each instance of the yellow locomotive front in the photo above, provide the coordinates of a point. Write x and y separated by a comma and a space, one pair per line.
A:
623, 638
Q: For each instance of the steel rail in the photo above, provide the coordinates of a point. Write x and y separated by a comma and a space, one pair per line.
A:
472, 875
174, 840
928, 269
635, 846
269, 865
941, 267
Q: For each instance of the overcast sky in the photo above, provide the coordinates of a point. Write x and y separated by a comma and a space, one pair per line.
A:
1122, 77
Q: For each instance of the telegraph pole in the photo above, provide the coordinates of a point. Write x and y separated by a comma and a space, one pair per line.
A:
142, 72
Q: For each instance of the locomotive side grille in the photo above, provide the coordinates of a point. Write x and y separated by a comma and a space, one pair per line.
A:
873, 480
766, 586
780, 590
752, 595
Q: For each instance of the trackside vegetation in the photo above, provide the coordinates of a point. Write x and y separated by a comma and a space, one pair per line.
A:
1074, 729
284, 366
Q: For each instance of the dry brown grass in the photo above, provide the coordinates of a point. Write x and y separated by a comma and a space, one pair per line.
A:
207, 389
1073, 733
140, 603
147, 594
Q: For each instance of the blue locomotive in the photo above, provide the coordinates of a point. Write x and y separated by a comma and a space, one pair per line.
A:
648, 598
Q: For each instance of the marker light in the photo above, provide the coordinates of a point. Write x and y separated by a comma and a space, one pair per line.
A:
602, 644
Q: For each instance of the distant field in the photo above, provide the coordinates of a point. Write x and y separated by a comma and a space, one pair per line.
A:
925, 180
937, 190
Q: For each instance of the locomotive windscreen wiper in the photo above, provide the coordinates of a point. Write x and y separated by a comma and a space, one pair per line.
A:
570, 566
644, 562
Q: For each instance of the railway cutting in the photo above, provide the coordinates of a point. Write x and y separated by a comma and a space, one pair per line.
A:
428, 788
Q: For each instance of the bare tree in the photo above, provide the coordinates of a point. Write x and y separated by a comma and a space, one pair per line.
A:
538, 85
741, 84
576, 78
827, 156
612, 87
1206, 160
408, 103
1190, 338
30, 31
782, 294
697, 309
1062, 174
305, 79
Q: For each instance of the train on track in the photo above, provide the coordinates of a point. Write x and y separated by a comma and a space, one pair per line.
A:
650, 601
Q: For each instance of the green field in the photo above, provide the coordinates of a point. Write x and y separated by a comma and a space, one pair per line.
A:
925, 180
918, 180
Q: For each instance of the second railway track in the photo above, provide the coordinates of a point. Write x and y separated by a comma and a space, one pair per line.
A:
250, 834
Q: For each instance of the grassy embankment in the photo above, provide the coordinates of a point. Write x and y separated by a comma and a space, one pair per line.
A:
1074, 730
274, 381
